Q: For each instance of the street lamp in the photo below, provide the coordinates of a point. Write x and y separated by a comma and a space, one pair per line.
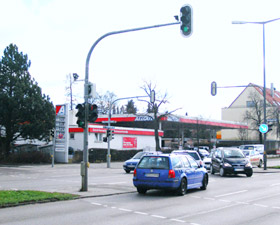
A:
264, 78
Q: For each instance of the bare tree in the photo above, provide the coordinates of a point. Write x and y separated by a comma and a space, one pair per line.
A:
103, 102
153, 107
255, 114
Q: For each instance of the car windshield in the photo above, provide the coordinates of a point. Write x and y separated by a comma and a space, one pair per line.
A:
246, 153
138, 155
248, 147
233, 154
194, 155
154, 162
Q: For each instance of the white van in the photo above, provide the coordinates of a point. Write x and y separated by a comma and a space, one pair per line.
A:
256, 147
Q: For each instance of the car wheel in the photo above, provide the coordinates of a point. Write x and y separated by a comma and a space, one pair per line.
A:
183, 187
222, 172
204, 182
260, 164
212, 171
141, 190
249, 174
127, 171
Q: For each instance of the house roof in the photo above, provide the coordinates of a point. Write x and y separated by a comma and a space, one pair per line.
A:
273, 100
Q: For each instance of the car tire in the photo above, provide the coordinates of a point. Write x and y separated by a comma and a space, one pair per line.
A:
260, 164
141, 190
204, 182
222, 172
183, 187
127, 171
249, 174
212, 171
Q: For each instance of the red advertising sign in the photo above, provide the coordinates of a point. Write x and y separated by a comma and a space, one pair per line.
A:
129, 142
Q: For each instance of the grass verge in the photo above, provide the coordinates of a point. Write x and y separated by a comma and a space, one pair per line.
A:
13, 198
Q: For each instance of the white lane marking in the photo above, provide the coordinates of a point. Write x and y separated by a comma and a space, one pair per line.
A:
179, 221
223, 200
272, 185
276, 207
195, 196
141, 213
260, 205
126, 210
95, 203
232, 193
206, 198
116, 183
157, 216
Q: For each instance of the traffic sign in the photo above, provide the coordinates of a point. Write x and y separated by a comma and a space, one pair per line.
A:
263, 128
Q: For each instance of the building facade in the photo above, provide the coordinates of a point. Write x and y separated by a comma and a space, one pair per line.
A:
248, 108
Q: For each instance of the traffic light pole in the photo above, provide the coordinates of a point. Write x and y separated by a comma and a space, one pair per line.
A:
84, 165
109, 124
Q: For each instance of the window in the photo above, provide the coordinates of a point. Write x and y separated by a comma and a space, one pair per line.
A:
176, 162
98, 137
193, 162
186, 162
72, 136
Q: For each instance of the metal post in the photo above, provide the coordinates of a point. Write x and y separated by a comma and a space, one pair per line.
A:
264, 102
85, 151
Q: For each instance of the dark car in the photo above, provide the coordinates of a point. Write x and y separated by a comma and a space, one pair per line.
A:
169, 171
230, 161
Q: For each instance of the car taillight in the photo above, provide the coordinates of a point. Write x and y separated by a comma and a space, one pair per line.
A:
171, 174
134, 173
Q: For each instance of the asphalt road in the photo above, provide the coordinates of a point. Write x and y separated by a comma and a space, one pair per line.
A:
112, 199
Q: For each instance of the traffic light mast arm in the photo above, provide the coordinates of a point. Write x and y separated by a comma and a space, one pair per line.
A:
86, 97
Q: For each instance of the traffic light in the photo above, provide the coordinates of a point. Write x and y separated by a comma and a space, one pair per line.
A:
81, 115
213, 88
186, 20
93, 113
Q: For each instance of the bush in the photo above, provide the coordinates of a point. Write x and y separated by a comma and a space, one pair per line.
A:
27, 157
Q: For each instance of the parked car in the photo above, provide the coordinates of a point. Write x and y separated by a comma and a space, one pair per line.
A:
170, 172
129, 165
230, 161
203, 153
255, 157
207, 161
256, 147
192, 153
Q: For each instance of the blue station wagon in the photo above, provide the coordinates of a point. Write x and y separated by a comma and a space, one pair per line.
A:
170, 172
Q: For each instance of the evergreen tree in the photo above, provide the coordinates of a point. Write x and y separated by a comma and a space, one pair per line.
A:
24, 111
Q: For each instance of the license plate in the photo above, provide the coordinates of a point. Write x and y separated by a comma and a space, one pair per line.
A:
130, 165
152, 175
238, 169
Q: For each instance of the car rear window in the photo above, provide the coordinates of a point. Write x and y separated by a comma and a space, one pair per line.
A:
154, 162
194, 155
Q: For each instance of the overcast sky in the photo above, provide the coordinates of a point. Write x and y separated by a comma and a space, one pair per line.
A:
57, 35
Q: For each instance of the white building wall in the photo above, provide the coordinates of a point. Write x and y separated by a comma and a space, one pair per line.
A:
95, 140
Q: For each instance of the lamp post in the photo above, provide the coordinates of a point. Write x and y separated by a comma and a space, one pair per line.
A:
264, 79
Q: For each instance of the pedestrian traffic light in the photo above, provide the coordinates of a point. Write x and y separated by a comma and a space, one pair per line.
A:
186, 20
213, 88
81, 115
93, 113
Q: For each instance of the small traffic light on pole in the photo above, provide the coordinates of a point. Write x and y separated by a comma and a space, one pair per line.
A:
186, 20
81, 115
213, 88
93, 113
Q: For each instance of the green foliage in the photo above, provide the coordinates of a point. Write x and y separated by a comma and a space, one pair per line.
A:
130, 107
10, 198
24, 110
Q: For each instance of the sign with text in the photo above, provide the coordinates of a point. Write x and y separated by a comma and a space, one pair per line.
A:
129, 142
61, 133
